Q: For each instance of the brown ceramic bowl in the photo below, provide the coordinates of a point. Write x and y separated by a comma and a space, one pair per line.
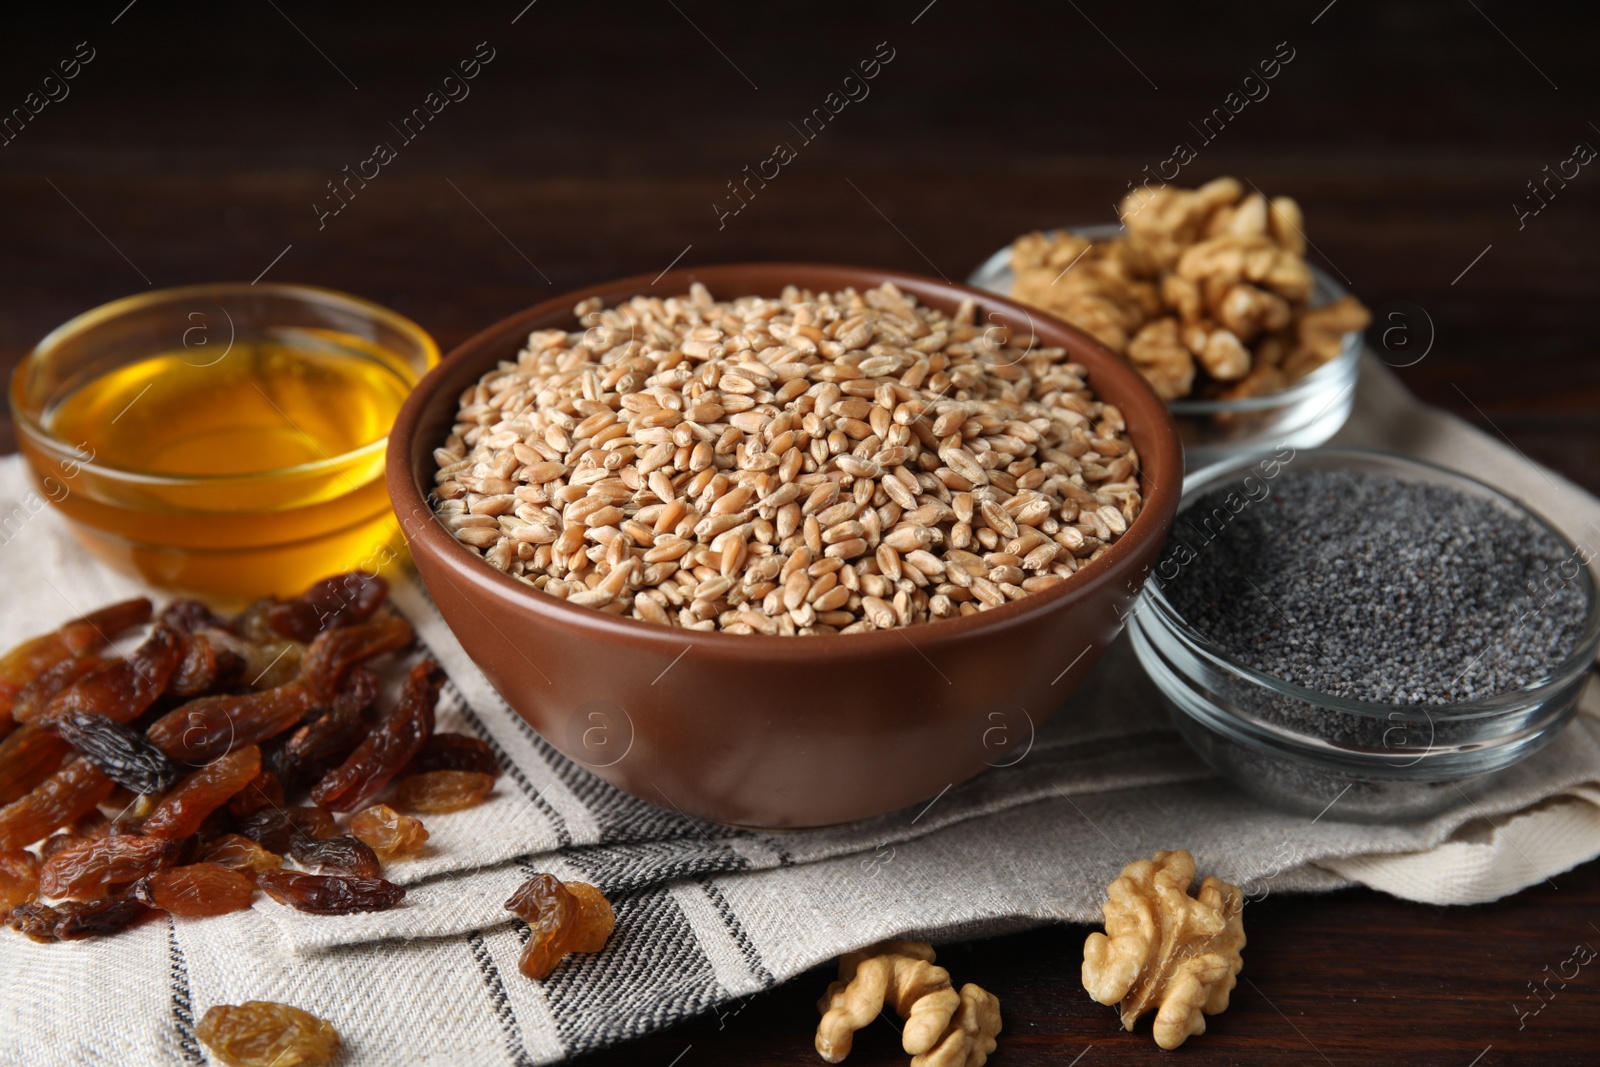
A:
780, 731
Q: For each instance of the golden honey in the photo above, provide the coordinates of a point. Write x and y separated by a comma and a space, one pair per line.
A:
252, 466
263, 406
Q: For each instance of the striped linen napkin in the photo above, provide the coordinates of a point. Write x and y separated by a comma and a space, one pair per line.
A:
708, 915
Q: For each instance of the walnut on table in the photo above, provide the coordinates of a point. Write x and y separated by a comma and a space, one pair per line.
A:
943, 1028
1165, 949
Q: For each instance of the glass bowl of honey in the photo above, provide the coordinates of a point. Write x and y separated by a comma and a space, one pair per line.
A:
223, 439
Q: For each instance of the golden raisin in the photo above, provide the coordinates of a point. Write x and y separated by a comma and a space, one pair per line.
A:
181, 811
388, 833
595, 918
207, 727
91, 870
34, 920
19, 878
28, 756
238, 853
446, 751
562, 918
60, 843
441, 791
73, 791
197, 890
260, 1033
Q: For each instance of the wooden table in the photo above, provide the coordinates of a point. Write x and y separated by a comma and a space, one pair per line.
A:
197, 145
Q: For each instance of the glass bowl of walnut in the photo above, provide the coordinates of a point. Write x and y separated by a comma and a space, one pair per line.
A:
1206, 291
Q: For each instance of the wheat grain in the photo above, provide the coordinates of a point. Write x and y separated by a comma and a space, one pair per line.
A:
814, 463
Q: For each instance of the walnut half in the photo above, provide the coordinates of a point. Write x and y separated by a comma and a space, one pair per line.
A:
1163, 948
943, 1028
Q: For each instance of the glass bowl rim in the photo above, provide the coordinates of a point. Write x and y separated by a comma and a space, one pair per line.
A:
66, 452
1494, 705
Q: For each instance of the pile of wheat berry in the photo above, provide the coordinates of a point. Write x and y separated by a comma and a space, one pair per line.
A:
1371, 588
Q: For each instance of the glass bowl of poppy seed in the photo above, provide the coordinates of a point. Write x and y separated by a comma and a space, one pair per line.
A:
1362, 634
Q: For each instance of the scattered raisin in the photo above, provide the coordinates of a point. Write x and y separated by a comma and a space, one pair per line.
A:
264, 791
206, 727
73, 791
275, 828
441, 791
97, 918
28, 756
562, 918
260, 1033
454, 752
389, 834
334, 652
595, 918
123, 688
337, 601
197, 890
389, 747
89, 871
121, 751
19, 878
326, 894
238, 853
181, 811
342, 855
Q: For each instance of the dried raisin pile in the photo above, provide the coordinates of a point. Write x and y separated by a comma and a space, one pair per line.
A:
562, 917
221, 748
260, 1033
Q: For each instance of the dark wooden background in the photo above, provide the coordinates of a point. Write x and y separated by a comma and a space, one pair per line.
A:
595, 144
